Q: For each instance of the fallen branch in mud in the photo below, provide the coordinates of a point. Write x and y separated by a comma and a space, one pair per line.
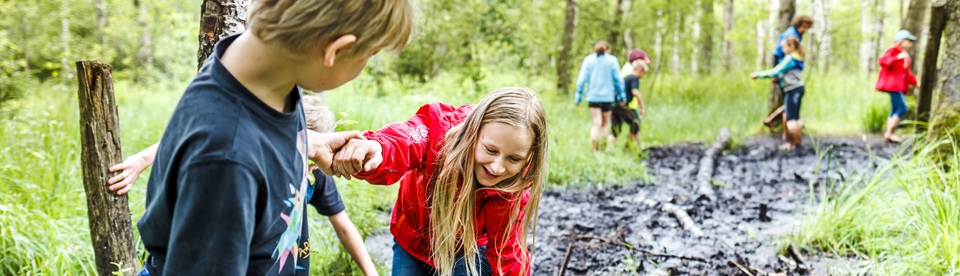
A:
685, 221
566, 260
646, 253
743, 269
708, 162
801, 263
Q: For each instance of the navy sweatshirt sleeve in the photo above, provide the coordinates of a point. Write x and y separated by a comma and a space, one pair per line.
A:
214, 190
325, 196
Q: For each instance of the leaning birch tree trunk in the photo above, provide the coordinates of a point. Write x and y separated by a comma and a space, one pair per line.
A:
913, 22
563, 59
728, 21
787, 9
65, 42
824, 37
947, 113
218, 19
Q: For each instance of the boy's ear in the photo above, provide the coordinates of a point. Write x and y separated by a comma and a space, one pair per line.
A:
332, 49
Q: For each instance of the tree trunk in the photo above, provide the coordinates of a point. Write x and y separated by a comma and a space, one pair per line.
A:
627, 39
101, 22
772, 29
110, 227
695, 56
65, 40
675, 63
615, 28
947, 112
761, 39
787, 9
913, 22
658, 40
928, 81
563, 59
728, 21
813, 35
871, 28
218, 19
824, 37
706, 54
144, 51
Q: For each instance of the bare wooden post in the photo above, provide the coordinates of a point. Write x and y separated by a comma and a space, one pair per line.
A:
928, 77
110, 225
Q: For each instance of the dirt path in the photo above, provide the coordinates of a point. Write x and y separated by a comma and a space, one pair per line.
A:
612, 231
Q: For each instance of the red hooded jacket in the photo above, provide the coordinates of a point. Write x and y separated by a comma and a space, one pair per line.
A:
410, 151
895, 75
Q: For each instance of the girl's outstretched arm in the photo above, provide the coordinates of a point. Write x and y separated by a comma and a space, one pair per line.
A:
786, 64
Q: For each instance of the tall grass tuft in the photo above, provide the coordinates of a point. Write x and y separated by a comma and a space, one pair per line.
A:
906, 216
875, 119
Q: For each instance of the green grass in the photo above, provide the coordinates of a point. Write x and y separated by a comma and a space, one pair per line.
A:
43, 224
905, 217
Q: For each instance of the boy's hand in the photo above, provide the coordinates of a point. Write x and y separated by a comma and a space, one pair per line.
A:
643, 113
130, 169
357, 156
753, 75
323, 146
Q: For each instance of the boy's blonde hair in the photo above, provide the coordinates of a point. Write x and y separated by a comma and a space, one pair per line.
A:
639, 64
298, 25
319, 118
453, 199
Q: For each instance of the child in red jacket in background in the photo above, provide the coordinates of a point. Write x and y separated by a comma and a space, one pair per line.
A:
471, 179
895, 79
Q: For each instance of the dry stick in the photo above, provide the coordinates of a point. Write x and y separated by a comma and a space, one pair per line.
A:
745, 270
707, 163
645, 252
566, 259
801, 263
792, 265
685, 221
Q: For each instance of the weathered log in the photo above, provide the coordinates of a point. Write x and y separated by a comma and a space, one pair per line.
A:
708, 162
685, 221
109, 214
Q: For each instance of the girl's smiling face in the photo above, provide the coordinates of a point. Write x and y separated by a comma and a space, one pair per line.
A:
501, 153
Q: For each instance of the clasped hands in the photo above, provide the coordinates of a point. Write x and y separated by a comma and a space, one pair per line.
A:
343, 153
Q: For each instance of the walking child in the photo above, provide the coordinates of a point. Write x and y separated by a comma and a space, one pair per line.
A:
628, 113
895, 79
790, 73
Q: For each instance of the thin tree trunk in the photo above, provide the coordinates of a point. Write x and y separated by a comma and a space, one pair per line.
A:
871, 28
615, 29
879, 18
728, 21
824, 37
947, 112
913, 22
865, 37
563, 59
111, 230
761, 39
787, 9
101, 22
218, 19
694, 58
706, 55
772, 30
627, 39
658, 39
144, 51
813, 35
65, 40
928, 81
675, 63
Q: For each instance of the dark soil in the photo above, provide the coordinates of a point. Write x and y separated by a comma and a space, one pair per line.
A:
610, 233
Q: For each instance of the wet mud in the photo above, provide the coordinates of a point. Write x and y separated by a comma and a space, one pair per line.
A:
615, 230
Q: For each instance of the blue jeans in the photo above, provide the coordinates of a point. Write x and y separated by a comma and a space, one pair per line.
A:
898, 106
405, 264
792, 101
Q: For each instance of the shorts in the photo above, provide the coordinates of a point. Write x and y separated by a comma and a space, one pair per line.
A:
792, 100
605, 107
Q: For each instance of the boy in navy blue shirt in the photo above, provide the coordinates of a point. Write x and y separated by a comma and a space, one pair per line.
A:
229, 184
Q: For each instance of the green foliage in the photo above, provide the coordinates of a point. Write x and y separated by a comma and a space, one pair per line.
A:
904, 217
875, 120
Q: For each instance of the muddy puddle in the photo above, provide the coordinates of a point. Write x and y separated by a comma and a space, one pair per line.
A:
611, 231
616, 230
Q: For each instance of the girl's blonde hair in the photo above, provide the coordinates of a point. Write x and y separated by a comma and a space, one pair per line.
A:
319, 118
453, 199
794, 43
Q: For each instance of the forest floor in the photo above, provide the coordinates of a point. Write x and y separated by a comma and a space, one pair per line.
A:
624, 230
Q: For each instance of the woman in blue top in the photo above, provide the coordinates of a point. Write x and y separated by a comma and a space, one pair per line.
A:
600, 83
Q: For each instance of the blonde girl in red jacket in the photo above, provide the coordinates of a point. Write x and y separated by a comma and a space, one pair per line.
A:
471, 179
895, 79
